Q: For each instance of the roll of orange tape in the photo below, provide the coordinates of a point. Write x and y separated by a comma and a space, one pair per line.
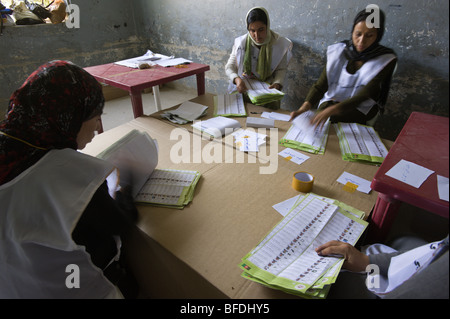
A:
302, 182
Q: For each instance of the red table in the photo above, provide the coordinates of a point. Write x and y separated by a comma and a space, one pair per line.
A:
423, 141
136, 80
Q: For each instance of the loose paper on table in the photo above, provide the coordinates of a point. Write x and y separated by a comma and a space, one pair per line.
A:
286, 258
306, 137
360, 143
217, 126
229, 105
409, 173
185, 113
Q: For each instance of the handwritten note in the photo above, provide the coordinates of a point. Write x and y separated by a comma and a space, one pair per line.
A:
362, 184
293, 156
409, 173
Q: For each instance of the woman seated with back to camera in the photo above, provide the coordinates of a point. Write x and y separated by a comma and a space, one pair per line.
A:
57, 210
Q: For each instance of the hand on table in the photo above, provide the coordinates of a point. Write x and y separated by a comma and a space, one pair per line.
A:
354, 259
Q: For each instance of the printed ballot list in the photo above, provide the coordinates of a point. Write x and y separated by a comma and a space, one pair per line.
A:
286, 258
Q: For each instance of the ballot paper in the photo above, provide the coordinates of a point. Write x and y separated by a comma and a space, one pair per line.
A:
409, 173
276, 116
149, 57
169, 188
360, 143
229, 105
286, 258
152, 58
136, 156
259, 92
249, 140
306, 137
217, 126
185, 113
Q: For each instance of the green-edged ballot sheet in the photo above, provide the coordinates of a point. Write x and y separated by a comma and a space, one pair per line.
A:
259, 93
360, 143
169, 188
229, 105
306, 137
286, 258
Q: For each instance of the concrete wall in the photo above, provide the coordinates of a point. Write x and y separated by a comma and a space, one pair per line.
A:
204, 31
107, 33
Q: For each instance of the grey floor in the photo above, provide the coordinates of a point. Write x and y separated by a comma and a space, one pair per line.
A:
410, 220
118, 111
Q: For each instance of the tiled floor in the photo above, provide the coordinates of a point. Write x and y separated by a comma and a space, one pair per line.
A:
119, 111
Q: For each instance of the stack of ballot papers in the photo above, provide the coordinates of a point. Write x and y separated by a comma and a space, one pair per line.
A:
276, 116
169, 188
286, 258
217, 127
229, 105
304, 136
151, 58
248, 140
259, 92
135, 155
185, 113
360, 143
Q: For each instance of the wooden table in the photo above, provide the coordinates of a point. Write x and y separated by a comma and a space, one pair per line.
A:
136, 80
423, 141
195, 252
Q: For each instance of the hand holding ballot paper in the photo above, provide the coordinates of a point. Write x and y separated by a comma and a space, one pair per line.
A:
260, 93
136, 156
306, 137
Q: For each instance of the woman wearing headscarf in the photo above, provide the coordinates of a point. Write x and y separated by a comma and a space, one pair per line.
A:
260, 53
58, 221
354, 85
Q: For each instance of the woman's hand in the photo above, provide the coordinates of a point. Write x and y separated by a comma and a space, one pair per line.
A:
354, 259
276, 86
240, 85
322, 116
305, 107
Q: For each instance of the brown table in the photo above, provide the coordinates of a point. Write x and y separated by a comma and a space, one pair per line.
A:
195, 252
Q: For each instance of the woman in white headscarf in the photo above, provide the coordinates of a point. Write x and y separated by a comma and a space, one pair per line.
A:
260, 53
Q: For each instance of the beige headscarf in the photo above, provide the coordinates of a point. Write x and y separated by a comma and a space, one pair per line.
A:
265, 52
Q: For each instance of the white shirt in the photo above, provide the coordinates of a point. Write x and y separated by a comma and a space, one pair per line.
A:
39, 211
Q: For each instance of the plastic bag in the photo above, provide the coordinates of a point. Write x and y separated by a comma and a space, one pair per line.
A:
24, 16
38, 10
57, 11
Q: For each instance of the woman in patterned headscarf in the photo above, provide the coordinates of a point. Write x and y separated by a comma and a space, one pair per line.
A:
354, 85
260, 53
56, 210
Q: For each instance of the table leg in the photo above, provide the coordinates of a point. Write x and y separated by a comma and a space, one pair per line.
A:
136, 103
100, 126
382, 218
201, 83
157, 98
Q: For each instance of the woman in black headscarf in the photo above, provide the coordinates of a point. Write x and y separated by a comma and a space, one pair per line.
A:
354, 85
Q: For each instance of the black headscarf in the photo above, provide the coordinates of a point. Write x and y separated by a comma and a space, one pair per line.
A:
375, 49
